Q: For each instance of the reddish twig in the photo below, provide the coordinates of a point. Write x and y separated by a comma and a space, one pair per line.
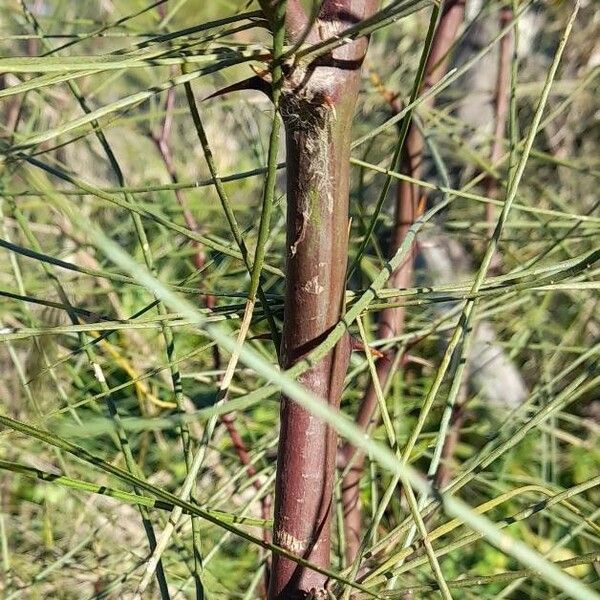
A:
161, 140
500, 112
391, 323
445, 469
491, 185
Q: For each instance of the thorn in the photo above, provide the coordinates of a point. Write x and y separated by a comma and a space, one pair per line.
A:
422, 202
260, 336
252, 83
360, 347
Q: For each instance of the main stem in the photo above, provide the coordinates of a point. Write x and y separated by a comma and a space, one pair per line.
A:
318, 126
317, 107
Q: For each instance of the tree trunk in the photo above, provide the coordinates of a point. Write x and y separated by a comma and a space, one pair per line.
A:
317, 108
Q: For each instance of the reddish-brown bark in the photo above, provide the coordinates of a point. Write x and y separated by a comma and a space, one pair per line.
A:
500, 110
391, 321
317, 109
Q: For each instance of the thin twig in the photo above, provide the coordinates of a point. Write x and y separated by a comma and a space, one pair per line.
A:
408, 207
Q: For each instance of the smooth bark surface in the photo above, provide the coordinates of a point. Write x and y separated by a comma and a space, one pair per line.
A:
317, 109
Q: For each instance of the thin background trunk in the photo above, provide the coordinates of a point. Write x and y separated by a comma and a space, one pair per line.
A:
492, 189
391, 321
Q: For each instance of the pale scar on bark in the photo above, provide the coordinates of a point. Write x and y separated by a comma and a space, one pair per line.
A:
302, 234
289, 542
312, 286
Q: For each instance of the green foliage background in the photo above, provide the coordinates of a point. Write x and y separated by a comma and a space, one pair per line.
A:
58, 188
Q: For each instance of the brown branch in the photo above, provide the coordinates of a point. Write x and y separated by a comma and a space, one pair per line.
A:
241, 450
317, 109
161, 140
296, 20
500, 112
445, 470
391, 323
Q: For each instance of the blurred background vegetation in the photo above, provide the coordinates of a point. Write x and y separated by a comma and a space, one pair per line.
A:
61, 542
